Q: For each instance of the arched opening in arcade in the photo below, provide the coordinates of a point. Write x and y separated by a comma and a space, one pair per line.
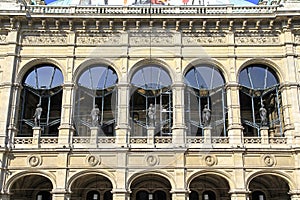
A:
205, 91
41, 100
96, 103
150, 187
269, 187
260, 101
151, 101
209, 187
91, 187
31, 187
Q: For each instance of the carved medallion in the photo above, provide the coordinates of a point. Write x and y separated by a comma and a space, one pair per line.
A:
93, 160
268, 160
210, 160
152, 160
297, 39
3, 38
34, 160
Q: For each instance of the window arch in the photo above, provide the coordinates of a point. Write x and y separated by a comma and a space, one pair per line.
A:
151, 101
260, 100
205, 92
42, 85
96, 88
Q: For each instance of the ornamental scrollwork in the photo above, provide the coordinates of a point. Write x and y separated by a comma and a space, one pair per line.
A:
2, 38
103, 39
257, 40
210, 160
34, 160
93, 160
268, 160
44, 40
152, 160
190, 39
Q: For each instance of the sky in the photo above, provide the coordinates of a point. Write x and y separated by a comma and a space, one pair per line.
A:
120, 2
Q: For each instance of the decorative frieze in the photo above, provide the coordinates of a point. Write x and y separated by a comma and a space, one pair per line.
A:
44, 39
98, 39
150, 38
203, 38
257, 39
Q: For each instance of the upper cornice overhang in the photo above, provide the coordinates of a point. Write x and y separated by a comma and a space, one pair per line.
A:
161, 12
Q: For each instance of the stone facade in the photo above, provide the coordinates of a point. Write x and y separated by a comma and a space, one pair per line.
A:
80, 163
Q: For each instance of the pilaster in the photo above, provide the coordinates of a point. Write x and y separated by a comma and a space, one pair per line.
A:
122, 128
234, 120
179, 128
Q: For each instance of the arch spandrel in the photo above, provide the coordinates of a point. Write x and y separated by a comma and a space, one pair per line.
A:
84, 65
225, 175
153, 61
10, 181
35, 62
209, 62
260, 61
111, 177
284, 175
137, 175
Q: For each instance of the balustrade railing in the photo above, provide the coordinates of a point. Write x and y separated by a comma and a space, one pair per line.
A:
138, 140
48, 140
252, 140
146, 10
195, 139
220, 140
23, 140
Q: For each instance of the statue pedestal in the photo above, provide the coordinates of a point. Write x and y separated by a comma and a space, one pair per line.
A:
94, 135
150, 136
264, 134
36, 135
207, 135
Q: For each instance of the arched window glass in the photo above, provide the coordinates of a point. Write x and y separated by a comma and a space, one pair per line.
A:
205, 102
44, 195
42, 85
260, 100
151, 101
258, 195
95, 104
208, 195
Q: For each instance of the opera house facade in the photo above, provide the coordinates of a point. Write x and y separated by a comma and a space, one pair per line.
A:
149, 101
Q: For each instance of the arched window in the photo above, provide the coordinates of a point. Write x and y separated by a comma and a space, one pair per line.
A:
151, 101
205, 92
42, 86
260, 100
96, 88
193, 195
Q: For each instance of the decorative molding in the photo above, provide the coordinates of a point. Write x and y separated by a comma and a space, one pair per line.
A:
34, 160
210, 160
152, 160
297, 39
203, 38
3, 38
268, 160
99, 39
44, 39
257, 39
155, 38
93, 160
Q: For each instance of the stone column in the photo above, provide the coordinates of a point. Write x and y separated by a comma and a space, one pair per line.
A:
66, 128
94, 136
122, 128
179, 128
234, 116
